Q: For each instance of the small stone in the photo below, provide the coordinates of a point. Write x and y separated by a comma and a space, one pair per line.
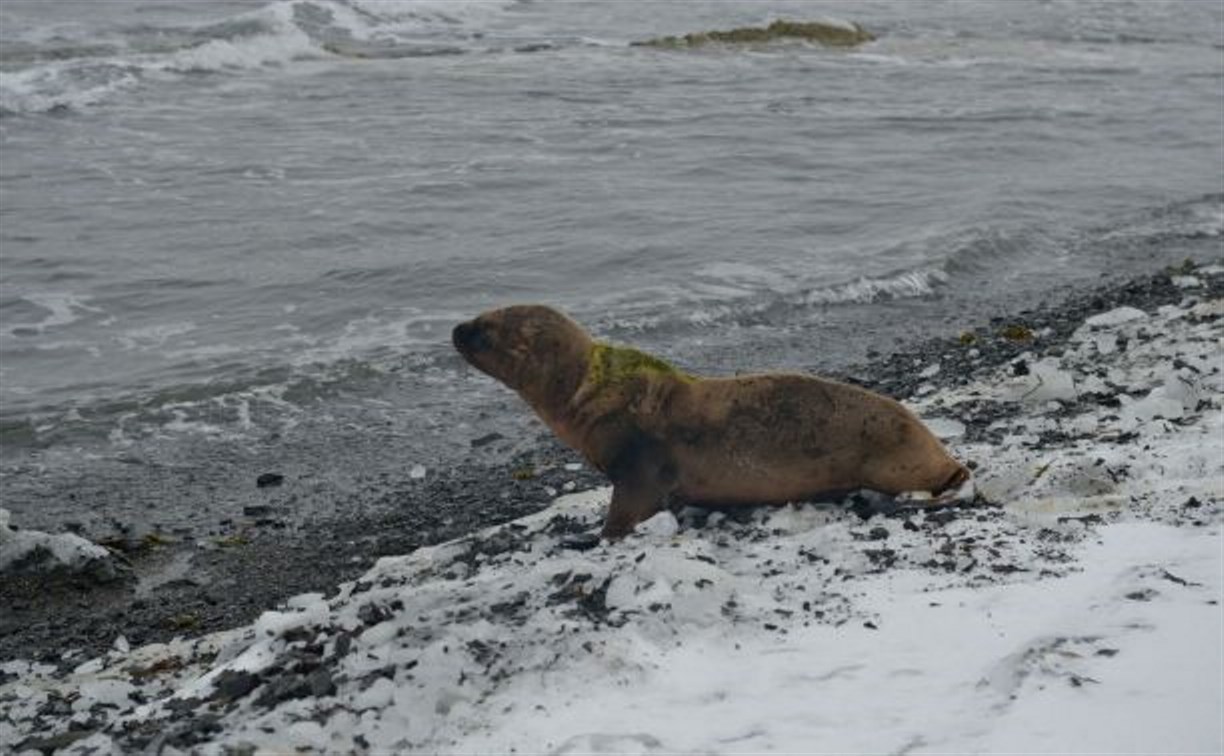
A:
580, 541
372, 614
269, 479
321, 683
285, 688
232, 685
486, 439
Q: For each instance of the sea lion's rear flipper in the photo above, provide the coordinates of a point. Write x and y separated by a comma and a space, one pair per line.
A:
957, 490
642, 477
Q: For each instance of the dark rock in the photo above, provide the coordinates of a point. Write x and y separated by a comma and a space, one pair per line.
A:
257, 510
1180, 581
834, 35
321, 683
53, 743
372, 614
232, 685
882, 558
344, 644
196, 730
287, 687
1006, 569
580, 541
940, 517
485, 440
269, 479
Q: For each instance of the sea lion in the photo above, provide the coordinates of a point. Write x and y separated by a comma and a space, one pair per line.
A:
663, 436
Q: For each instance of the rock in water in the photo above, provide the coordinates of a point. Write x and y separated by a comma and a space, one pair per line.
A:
269, 479
827, 33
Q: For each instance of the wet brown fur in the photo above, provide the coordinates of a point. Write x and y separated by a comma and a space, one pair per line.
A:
662, 435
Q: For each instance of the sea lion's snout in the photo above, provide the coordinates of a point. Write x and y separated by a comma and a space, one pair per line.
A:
526, 347
470, 338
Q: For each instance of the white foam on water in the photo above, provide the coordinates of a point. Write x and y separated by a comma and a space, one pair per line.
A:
446, 11
47, 88
906, 285
283, 37
154, 336
63, 308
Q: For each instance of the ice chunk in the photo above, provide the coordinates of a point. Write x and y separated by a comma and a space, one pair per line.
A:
945, 427
377, 696
1115, 317
1106, 343
662, 525
1212, 309
1046, 381
34, 552
1155, 404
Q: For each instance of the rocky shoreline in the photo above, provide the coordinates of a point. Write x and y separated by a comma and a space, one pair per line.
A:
188, 589
1083, 579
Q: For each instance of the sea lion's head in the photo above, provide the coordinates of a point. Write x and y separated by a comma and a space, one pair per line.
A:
533, 349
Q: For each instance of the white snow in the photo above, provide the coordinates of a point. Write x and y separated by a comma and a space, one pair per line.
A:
1078, 613
1115, 317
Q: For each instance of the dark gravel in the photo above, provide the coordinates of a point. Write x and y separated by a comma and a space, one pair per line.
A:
189, 586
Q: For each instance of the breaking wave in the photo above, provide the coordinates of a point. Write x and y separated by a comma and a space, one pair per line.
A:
58, 74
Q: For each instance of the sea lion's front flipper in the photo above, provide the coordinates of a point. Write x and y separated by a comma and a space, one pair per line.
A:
642, 477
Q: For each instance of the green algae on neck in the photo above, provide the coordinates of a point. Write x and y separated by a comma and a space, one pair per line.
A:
610, 365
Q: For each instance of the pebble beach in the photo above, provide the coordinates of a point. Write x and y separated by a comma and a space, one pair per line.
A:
1083, 576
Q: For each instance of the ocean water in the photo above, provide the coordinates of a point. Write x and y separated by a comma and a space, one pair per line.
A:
243, 229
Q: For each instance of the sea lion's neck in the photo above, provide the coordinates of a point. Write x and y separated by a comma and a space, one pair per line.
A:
552, 394
609, 366
616, 383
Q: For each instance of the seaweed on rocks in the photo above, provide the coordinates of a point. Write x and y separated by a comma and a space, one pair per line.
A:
825, 33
